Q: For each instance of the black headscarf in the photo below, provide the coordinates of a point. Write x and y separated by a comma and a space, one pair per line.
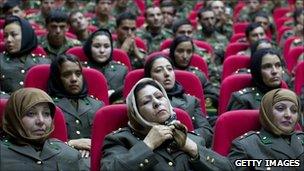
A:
55, 86
150, 60
256, 66
29, 38
88, 44
174, 44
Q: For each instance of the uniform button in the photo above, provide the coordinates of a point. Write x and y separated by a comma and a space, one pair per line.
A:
39, 162
78, 132
264, 138
22, 71
212, 160
21, 82
77, 121
193, 118
146, 161
112, 66
208, 158
3, 76
170, 163
141, 165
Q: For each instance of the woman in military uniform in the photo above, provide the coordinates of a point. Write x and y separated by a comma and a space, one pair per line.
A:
99, 49
19, 40
68, 88
277, 140
154, 139
160, 68
28, 123
266, 71
181, 51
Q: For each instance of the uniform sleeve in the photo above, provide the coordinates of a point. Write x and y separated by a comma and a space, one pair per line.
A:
201, 124
116, 156
209, 90
210, 160
237, 152
236, 102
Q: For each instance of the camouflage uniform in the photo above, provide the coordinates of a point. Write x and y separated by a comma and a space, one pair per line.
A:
135, 62
13, 70
110, 25
53, 52
154, 41
37, 18
131, 7
246, 16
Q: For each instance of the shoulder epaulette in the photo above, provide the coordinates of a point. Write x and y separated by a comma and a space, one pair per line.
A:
247, 134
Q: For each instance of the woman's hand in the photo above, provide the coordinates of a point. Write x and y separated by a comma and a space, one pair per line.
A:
81, 144
190, 148
84, 153
157, 135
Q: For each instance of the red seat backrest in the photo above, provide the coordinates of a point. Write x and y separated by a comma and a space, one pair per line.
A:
280, 12
233, 63
38, 77
200, 63
287, 45
239, 27
238, 37
185, 78
112, 117
292, 57
234, 48
299, 77
60, 130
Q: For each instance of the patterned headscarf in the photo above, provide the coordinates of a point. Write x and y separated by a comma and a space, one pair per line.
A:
17, 106
267, 103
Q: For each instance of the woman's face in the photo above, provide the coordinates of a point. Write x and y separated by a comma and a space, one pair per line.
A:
183, 54
271, 70
101, 48
37, 120
71, 77
162, 71
12, 37
285, 114
152, 104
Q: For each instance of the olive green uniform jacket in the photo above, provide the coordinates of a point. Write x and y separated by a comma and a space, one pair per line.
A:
13, 70
123, 150
247, 98
192, 106
115, 73
264, 145
55, 155
79, 121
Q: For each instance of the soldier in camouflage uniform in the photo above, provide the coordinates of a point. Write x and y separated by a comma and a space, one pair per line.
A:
69, 90
104, 17
99, 50
248, 11
13, 8
79, 25
46, 7
215, 39
17, 59
154, 33
120, 6
126, 26
169, 13
275, 140
27, 143
266, 70
55, 42
223, 20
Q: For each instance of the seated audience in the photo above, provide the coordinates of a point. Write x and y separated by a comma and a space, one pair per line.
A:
13, 7
28, 122
68, 88
154, 139
160, 69
104, 17
277, 139
19, 41
46, 6
79, 25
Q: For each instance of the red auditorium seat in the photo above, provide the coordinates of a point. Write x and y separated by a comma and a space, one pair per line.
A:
233, 63
234, 48
280, 12
239, 27
112, 117
140, 20
299, 77
60, 130
226, 129
185, 78
38, 77
292, 58
118, 55
281, 32
200, 63
2, 21
238, 37
287, 45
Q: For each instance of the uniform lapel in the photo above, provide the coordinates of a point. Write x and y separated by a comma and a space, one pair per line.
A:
49, 150
83, 107
296, 145
25, 150
67, 107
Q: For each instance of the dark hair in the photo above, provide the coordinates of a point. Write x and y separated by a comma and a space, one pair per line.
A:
88, 43
254, 46
150, 60
168, 4
142, 85
178, 24
251, 27
11, 4
73, 13
255, 68
297, 13
176, 41
55, 86
124, 16
149, 6
56, 15
261, 14
202, 11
